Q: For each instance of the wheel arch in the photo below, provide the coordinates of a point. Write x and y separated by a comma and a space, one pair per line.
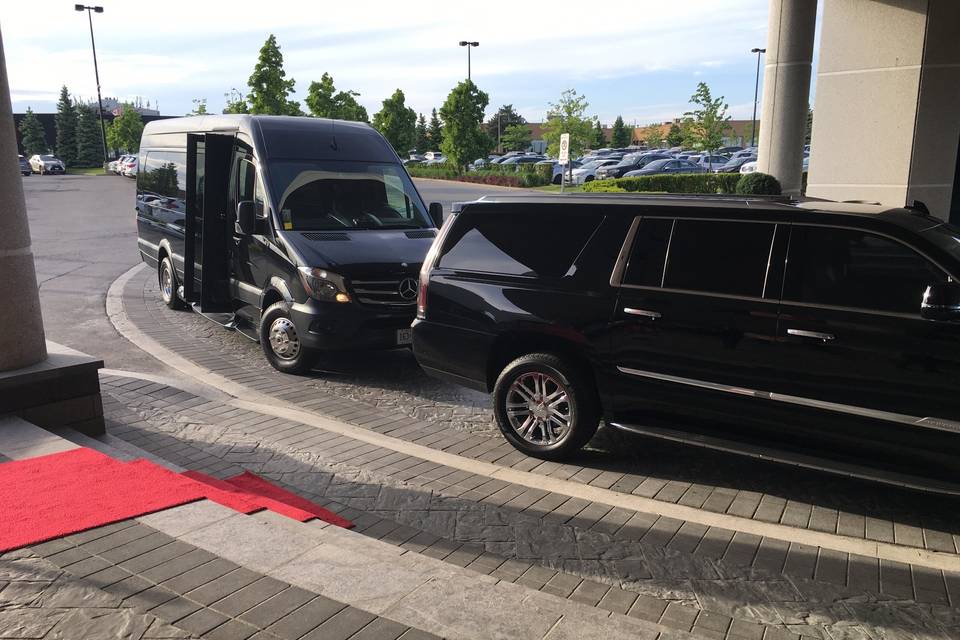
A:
510, 346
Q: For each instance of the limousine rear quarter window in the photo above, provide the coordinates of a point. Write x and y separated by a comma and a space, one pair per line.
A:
645, 267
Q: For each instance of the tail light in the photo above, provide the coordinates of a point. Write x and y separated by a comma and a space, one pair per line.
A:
428, 263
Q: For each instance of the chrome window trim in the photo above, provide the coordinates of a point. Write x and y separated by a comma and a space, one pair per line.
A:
766, 275
666, 256
726, 296
925, 422
621, 264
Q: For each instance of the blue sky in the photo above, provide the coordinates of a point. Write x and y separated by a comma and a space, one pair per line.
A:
640, 59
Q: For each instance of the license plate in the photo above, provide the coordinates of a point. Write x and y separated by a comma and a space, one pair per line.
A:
404, 336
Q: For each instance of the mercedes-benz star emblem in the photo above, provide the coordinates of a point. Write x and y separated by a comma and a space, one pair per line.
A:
408, 288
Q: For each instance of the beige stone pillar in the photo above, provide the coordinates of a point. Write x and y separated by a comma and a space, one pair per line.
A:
21, 326
786, 90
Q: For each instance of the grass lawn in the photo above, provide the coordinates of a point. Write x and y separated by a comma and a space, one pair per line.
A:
91, 171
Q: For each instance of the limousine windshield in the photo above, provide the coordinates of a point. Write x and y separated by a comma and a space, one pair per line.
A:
332, 196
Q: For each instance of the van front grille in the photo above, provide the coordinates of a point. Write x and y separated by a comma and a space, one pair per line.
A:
395, 291
325, 235
426, 233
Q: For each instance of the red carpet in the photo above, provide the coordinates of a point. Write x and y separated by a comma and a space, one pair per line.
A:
63, 493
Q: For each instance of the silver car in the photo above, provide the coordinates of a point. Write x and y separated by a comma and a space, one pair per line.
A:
45, 163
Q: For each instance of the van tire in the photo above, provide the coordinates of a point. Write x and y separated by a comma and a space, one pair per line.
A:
300, 359
168, 292
581, 404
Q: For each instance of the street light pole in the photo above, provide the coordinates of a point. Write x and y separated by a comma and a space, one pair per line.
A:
756, 90
96, 73
468, 45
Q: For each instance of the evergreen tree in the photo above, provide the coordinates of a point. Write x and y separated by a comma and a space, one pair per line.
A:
620, 135
423, 136
675, 135
464, 138
324, 103
397, 122
66, 121
32, 135
599, 139
269, 88
505, 116
89, 144
435, 131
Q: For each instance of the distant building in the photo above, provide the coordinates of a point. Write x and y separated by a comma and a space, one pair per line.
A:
115, 107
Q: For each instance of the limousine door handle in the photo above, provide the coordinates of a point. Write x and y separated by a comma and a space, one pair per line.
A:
653, 315
816, 335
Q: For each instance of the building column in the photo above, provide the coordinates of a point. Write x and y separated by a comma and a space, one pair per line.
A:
786, 90
21, 326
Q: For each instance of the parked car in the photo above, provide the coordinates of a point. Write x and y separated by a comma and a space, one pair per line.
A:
748, 167
750, 151
824, 335
130, 167
587, 172
666, 166
710, 161
630, 162
733, 166
315, 247
25, 169
558, 169
45, 163
726, 151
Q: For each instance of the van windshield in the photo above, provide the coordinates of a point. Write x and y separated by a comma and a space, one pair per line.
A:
324, 196
947, 237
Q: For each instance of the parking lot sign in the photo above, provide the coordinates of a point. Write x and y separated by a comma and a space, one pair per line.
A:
564, 157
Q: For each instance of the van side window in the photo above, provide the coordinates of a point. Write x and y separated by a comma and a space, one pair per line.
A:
519, 243
163, 174
716, 256
850, 268
248, 186
645, 266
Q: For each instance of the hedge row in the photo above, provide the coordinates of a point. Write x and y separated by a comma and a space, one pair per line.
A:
527, 176
669, 183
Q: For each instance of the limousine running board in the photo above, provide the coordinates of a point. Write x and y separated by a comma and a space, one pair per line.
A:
794, 459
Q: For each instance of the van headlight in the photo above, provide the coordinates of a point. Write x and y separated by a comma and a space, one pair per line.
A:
323, 285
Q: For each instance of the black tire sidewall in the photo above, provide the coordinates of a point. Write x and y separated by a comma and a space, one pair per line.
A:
582, 409
303, 363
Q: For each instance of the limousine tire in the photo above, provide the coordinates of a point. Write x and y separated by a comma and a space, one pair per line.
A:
545, 406
281, 345
168, 285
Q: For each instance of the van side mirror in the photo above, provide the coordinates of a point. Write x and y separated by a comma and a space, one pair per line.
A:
941, 301
247, 217
436, 214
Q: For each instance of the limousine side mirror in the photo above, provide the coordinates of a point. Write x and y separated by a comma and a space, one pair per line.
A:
436, 213
941, 301
247, 217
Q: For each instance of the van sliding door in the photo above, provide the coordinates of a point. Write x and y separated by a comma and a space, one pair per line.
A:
206, 250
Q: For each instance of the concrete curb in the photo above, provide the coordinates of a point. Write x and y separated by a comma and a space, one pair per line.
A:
251, 400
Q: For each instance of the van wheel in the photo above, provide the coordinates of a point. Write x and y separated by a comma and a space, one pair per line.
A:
281, 343
168, 285
545, 406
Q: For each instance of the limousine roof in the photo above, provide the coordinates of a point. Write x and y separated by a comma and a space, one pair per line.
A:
288, 137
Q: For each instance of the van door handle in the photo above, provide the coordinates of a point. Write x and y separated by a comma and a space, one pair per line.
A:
816, 335
653, 315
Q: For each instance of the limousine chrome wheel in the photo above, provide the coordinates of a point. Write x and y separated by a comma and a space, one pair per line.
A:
284, 340
545, 405
538, 408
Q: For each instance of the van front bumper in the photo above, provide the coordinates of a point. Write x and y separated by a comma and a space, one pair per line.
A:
337, 326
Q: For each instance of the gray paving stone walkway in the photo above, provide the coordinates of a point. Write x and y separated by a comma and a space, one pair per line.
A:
682, 576
388, 393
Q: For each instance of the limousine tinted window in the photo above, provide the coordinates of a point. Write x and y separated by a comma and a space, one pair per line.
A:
847, 268
645, 267
164, 174
719, 257
520, 244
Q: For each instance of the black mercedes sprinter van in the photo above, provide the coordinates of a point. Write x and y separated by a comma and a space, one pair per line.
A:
305, 233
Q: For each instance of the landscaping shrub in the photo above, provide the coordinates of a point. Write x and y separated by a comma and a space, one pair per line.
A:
669, 183
509, 176
545, 172
758, 184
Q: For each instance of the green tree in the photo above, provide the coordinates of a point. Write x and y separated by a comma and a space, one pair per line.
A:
435, 130
342, 105
89, 143
397, 122
505, 116
653, 135
620, 135
269, 87
125, 131
66, 121
199, 107
235, 102
675, 135
464, 137
422, 142
599, 137
32, 135
748, 130
516, 137
704, 126
567, 116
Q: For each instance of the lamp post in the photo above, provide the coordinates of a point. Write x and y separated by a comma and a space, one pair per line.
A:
93, 45
468, 45
756, 90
